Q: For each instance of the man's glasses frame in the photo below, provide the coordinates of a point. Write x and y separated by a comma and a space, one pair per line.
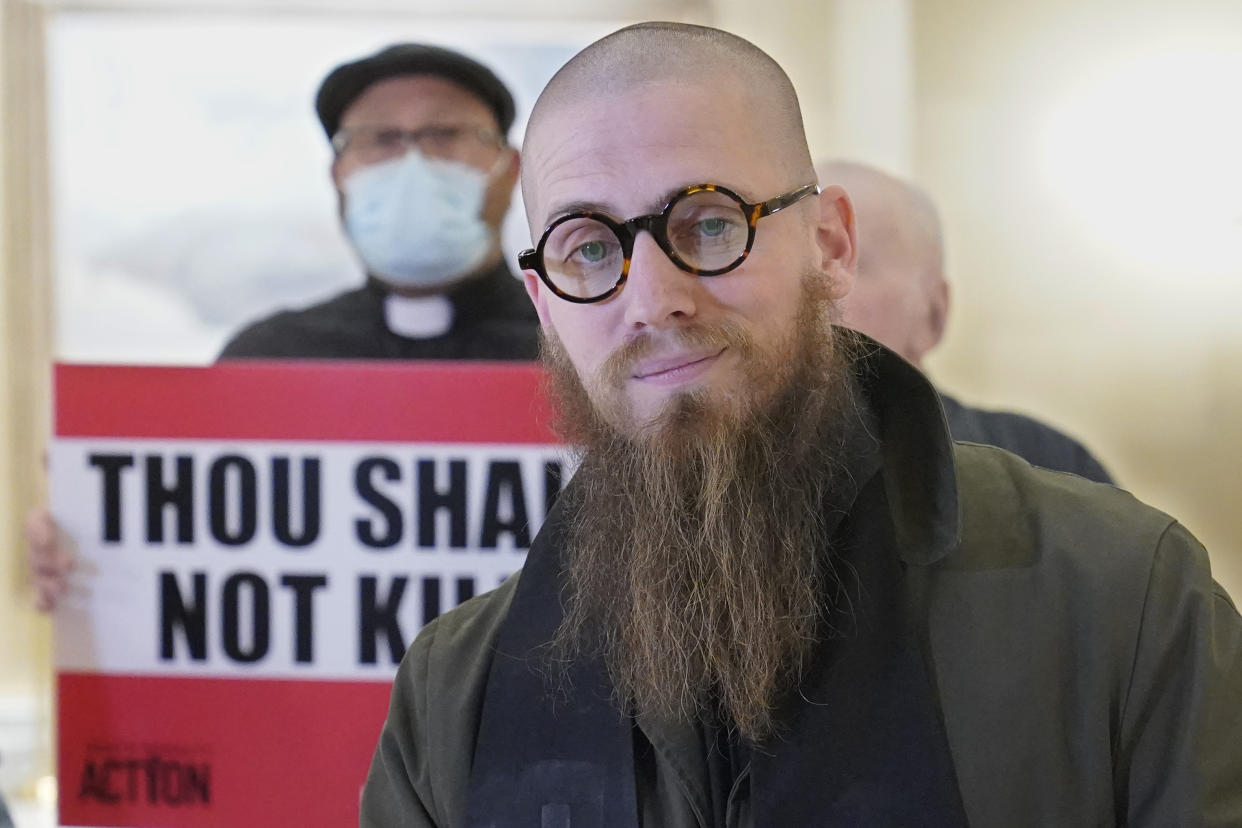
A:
657, 225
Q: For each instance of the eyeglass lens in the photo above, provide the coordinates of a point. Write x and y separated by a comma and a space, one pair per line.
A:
705, 230
449, 142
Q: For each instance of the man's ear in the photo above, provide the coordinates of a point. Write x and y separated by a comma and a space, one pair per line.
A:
335, 173
938, 311
538, 296
500, 189
506, 170
837, 238
514, 166
925, 333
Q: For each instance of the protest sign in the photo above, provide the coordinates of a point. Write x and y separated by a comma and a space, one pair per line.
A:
257, 544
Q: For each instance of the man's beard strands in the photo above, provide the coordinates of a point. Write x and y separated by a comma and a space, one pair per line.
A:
696, 548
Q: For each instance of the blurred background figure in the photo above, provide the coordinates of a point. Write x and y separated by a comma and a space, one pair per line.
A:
424, 175
901, 299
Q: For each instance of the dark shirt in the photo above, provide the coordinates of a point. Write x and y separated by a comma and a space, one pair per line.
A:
492, 320
1034, 442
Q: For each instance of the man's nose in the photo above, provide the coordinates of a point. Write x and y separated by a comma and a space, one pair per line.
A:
657, 292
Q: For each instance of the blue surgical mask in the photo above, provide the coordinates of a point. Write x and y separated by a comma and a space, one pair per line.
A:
417, 222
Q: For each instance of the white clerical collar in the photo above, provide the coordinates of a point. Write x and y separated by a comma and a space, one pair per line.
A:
418, 317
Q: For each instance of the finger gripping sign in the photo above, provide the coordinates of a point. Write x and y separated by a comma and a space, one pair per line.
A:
257, 544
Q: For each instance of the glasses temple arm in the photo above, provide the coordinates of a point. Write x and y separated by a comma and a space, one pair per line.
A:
775, 205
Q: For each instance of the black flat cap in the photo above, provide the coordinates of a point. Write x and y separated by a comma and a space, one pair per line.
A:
346, 82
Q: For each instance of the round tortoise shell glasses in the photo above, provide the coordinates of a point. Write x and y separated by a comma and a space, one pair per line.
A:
705, 229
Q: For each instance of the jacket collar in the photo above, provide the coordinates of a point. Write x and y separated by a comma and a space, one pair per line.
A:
920, 476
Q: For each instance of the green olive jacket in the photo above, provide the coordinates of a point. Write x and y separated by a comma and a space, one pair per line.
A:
1088, 668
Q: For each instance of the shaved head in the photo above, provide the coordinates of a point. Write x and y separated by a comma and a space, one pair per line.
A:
655, 54
900, 297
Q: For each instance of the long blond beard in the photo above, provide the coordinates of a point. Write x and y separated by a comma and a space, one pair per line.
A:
696, 553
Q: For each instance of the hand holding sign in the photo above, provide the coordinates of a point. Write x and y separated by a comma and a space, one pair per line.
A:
49, 554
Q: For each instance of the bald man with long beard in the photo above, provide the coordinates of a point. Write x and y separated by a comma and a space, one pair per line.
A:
775, 592
900, 298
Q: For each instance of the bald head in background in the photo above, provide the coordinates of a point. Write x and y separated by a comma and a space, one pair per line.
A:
900, 296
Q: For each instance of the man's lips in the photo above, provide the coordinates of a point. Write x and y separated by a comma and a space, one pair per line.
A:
676, 368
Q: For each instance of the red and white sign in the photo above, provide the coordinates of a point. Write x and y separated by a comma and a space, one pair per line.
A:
257, 544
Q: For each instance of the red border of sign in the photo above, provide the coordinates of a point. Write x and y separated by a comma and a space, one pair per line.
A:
200, 403
280, 754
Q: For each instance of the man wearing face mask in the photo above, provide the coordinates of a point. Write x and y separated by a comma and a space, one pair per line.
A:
424, 175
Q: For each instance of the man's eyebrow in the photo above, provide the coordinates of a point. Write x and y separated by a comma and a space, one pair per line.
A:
656, 205
568, 207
